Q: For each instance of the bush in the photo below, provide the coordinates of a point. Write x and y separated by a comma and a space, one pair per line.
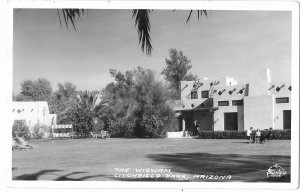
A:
20, 129
121, 127
276, 134
281, 134
38, 131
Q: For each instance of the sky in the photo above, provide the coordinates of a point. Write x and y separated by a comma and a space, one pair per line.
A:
225, 43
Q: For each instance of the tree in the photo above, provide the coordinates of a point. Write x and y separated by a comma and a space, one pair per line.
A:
66, 90
38, 90
142, 23
133, 99
176, 70
63, 99
85, 112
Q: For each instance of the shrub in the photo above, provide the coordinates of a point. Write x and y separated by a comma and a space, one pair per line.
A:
121, 127
20, 129
281, 134
276, 134
38, 131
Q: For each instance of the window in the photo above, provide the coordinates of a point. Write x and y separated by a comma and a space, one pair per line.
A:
223, 103
204, 94
237, 102
194, 95
282, 100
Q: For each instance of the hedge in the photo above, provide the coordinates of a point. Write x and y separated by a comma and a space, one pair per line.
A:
276, 134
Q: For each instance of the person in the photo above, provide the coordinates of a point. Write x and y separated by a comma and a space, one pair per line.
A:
270, 134
103, 134
196, 126
250, 134
257, 135
266, 135
263, 137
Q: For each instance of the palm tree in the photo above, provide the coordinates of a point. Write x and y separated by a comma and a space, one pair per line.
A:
142, 23
89, 103
90, 100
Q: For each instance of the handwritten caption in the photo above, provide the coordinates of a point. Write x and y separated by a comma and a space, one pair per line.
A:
162, 173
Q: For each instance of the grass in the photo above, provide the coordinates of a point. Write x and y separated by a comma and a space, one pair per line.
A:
97, 159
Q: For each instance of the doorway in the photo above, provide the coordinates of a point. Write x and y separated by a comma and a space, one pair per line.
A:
286, 119
231, 121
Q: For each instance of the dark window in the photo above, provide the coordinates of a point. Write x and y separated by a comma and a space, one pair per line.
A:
286, 119
204, 94
282, 100
194, 95
237, 102
223, 103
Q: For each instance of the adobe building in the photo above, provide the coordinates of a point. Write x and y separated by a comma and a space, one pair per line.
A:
36, 112
224, 104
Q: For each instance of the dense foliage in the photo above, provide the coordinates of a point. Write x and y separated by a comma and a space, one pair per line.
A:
83, 113
20, 129
137, 104
38, 131
62, 99
38, 90
133, 105
276, 134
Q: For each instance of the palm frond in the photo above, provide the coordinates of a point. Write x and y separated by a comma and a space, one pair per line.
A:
70, 16
199, 12
142, 23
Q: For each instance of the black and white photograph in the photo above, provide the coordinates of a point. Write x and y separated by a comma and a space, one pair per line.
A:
197, 95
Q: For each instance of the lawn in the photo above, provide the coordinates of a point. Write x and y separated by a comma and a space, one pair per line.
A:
166, 160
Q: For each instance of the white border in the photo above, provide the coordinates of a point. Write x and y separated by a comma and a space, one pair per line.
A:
6, 76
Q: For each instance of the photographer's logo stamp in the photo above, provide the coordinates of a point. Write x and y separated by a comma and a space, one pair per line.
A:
276, 171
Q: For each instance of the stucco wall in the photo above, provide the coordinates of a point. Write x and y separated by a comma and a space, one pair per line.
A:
283, 91
33, 113
225, 96
278, 114
259, 81
219, 117
278, 111
258, 112
213, 86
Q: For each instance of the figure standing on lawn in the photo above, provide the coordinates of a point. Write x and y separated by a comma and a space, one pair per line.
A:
196, 127
250, 134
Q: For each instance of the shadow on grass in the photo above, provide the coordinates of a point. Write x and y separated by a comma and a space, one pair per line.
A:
246, 168
35, 176
66, 177
224, 164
